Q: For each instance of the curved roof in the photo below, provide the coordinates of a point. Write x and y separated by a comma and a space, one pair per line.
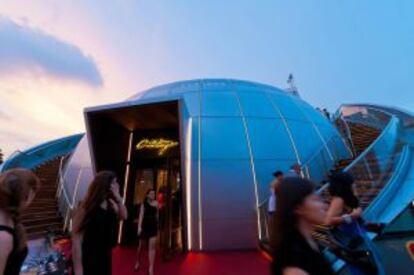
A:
209, 84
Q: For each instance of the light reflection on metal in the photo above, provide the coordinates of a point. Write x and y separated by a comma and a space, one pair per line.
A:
188, 183
160, 144
200, 210
249, 147
121, 223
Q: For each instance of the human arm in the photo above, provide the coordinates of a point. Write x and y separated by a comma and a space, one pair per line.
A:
294, 271
117, 204
334, 214
140, 218
6, 244
77, 253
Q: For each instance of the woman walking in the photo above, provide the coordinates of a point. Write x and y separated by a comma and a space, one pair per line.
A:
148, 229
17, 190
298, 211
95, 223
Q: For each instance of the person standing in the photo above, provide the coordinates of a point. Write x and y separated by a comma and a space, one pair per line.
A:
17, 190
326, 113
148, 229
95, 224
278, 177
294, 171
298, 211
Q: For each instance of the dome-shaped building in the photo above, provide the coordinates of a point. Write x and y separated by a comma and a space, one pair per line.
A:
209, 148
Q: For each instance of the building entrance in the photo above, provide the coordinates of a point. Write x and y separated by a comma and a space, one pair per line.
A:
164, 177
142, 145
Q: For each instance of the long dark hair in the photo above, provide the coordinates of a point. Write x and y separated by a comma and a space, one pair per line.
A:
15, 187
291, 193
99, 190
146, 194
340, 185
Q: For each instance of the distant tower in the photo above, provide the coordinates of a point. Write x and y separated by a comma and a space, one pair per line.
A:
292, 87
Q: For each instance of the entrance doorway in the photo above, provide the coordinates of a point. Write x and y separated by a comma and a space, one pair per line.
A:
142, 145
163, 176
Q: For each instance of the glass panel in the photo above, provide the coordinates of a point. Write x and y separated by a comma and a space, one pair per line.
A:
223, 138
84, 182
327, 131
219, 104
269, 139
306, 139
227, 189
374, 168
257, 105
71, 176
287, 107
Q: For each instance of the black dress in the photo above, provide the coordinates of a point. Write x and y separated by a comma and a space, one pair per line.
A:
296, 252
99, 238
16, 258
149, 222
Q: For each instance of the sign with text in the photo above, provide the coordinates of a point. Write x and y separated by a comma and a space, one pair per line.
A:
160, 144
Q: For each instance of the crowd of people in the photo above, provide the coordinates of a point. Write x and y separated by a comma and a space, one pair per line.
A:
294, 210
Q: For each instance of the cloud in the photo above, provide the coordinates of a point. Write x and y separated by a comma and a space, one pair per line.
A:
24, 49
4, 115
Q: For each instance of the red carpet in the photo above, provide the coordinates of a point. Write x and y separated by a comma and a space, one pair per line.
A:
213, 263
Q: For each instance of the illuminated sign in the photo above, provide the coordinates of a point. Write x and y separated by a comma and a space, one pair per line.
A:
410, 247
160, 144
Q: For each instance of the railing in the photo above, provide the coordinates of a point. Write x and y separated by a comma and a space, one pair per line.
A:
376, 166
347, 135
373, 169
65, 204
35, 156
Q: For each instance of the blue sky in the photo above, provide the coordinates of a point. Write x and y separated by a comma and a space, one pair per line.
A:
95, 52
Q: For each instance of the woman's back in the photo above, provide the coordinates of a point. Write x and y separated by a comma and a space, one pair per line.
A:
98, 239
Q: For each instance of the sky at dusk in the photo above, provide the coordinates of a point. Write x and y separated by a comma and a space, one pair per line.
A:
59, 56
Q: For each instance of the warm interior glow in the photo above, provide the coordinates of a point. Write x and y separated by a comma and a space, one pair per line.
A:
160, 144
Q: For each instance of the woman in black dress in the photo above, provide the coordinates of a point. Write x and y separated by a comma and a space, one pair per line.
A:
298, 211
95, 222
17, 190
148, 228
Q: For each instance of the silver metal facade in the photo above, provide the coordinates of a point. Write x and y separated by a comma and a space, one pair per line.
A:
234, 134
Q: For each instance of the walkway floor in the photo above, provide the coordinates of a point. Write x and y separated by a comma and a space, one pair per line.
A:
212, 263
